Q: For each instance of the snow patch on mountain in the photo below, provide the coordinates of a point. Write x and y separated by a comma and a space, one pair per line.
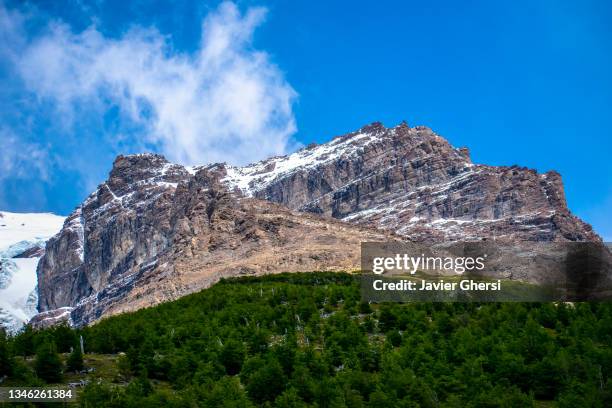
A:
20, 233
257, 176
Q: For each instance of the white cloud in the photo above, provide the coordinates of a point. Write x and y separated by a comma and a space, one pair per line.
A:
224, 102
20, 159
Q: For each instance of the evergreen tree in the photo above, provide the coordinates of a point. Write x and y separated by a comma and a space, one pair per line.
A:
232, 356
75, 360
227, 393
141, 385
266, 383
284, 344
6, 360
48, 364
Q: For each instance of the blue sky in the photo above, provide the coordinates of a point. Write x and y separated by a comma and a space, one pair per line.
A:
525, 82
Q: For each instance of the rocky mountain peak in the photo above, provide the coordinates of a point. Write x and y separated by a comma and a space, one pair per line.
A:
413, 182
141, 161
133, 170
156, 230
373, 128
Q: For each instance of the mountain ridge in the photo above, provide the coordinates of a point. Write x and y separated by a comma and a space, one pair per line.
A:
358, 176
150, 232
149, 240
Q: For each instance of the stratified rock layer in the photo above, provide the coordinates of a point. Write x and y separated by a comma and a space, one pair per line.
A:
155, 231
414, 183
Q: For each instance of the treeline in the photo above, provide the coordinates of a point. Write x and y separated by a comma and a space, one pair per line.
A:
297, 340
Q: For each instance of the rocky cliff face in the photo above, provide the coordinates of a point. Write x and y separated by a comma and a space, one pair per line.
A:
414, 183
155, 230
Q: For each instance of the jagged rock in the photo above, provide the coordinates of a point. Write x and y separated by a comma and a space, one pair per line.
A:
33, 252
51, 318
414, 183
155, 231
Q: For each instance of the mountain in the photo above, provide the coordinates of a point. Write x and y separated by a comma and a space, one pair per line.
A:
413, 182
22, 243
155, 231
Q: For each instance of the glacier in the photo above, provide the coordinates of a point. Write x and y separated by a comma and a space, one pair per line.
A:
22, 241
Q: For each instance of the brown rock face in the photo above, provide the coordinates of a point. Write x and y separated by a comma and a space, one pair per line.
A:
33, 252
147, 240
414, 183
155, 231
120, 225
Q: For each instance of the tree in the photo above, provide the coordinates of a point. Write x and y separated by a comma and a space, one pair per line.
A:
96, 395
75, 360
395, 338
266, 383
365, 308
141, 385
23, 344
227, 393
6, 360
289, 399
48, 365
386, 320
64, 337
232, 356
286, 355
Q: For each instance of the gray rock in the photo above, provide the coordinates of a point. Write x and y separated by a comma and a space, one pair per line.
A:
155, 230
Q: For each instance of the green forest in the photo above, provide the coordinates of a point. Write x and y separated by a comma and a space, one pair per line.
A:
308, 340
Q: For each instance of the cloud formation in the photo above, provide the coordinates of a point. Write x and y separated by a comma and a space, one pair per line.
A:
21, 159
226, 101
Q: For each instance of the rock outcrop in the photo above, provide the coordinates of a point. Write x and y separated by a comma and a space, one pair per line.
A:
413, 182
155, 231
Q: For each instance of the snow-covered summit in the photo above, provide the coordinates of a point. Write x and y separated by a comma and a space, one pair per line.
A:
259, 175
